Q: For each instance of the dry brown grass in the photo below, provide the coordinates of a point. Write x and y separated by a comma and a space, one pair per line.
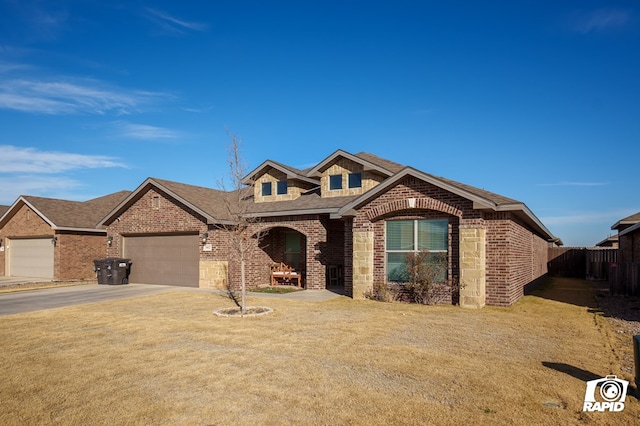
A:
167, 359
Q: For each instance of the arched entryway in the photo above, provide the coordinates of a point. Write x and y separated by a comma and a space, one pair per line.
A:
287, 245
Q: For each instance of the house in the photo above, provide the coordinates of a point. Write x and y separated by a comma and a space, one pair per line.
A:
629, 244
628, 238
53, 239
610, 241
348, 221
625, 223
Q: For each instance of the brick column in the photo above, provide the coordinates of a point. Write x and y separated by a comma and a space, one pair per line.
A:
472, 267
362, 263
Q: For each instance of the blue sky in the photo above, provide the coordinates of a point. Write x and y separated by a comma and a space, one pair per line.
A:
534, 100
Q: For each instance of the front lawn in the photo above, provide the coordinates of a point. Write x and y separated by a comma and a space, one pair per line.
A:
166, 359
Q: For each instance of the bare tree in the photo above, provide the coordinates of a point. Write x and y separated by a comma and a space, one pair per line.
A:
241, 241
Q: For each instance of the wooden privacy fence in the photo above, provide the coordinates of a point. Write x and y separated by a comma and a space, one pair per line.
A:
581, 262
624, 277
594, 263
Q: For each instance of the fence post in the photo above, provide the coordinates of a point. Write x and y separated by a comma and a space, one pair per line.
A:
636, 357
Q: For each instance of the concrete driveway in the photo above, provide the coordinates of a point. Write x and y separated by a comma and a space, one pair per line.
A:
58, 297
51, 298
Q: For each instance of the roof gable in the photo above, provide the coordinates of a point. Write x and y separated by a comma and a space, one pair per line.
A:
65, 214
482, 200
210, 203
290, 172
629, 220
368, 161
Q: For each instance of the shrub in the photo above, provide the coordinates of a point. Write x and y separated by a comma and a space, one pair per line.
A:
426, 277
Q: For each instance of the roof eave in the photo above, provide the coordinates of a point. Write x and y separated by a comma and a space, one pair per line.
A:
629, 229
75, 229
120, 208
298, 212
368, 166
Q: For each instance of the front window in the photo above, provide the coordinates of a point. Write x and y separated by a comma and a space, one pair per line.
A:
282, 187
413, 236
266, 189
335, 182
355, 180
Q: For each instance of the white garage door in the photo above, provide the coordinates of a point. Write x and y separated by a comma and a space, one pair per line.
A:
31, 258
166, 259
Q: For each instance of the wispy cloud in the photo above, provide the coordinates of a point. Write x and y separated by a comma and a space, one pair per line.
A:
30, 160
53, 186
172, 24
573, 183
146, 132
64, 97
600, 20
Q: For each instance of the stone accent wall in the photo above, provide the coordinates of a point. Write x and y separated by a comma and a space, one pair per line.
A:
472, 267
214, 274
294, 189
362, 263
343, 166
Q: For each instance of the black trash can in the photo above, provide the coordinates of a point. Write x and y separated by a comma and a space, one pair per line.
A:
112, 270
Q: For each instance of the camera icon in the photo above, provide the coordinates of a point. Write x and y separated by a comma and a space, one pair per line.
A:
606, 394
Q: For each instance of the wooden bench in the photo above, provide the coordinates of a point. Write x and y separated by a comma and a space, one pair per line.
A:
283, 273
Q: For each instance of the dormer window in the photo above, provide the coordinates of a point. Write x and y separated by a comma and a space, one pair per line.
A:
282, 187
266, 189
335, 182
355, 180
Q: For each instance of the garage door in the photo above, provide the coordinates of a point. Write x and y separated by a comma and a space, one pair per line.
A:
168, 260
31, 258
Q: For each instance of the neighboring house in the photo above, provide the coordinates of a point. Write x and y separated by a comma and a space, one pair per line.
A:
629, 244
349, 221
627, 238
628, 221
610, 241
53, 239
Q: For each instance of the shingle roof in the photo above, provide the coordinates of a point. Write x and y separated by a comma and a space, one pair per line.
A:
380, 162
4, 209
211, 201
629, 220
307, 203
491, 196
74, 214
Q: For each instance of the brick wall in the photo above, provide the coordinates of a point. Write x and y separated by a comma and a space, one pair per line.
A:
75, 253
313, 228
515, 257
629, 247
155, 213
431, 202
